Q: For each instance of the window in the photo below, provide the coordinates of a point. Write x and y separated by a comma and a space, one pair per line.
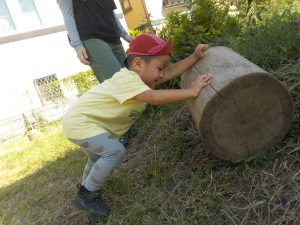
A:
126, 7
31, 18
48, 89
6, 22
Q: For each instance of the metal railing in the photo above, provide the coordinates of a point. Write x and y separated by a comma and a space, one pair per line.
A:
18, 125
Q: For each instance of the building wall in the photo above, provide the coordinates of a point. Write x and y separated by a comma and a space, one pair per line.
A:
26, 60
154, 8
48, 13
136, 15
34, 55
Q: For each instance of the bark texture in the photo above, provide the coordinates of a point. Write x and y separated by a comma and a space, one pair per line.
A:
245, 111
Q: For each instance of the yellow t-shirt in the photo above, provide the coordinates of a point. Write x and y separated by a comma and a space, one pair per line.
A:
108, 107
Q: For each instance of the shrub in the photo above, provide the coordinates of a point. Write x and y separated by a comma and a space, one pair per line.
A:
266, 32
83, 81
270, 45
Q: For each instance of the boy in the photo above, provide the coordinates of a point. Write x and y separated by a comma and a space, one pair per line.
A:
106, 112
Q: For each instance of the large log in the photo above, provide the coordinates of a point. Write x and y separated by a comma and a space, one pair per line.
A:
245, 111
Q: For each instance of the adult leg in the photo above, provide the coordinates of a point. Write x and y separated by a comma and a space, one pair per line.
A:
119, 52
103, 62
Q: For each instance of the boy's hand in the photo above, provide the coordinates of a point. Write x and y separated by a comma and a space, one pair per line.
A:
200, 83
200, 49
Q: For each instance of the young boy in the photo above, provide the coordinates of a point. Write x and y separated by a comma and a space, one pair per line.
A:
104, 113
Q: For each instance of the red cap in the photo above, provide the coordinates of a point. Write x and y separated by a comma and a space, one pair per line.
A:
148, 44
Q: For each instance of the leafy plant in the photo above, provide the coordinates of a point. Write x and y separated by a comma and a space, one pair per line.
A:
83, 81
278, 41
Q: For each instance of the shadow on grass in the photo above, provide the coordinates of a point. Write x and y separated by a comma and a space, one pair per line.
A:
166, 178
45, 196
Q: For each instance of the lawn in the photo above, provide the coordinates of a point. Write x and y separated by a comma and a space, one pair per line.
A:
167, 177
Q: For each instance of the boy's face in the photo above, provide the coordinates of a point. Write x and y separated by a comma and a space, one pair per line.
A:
151, 72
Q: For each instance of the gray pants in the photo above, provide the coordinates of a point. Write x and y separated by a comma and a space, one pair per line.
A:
105, 58
104, 154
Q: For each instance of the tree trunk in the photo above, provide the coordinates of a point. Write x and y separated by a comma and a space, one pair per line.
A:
245, 111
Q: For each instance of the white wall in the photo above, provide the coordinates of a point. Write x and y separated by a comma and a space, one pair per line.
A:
48, 12
154, 7
23, 61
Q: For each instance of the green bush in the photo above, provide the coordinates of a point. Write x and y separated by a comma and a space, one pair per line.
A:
266, 32
207, 22
83, 81
273, 44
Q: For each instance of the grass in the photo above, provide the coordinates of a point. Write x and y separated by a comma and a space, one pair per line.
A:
33, 175
166, 178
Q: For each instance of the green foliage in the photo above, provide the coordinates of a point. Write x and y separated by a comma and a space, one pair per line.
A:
83, 81
273, 44
266, 32
33, 120
27, 123
135, 32
253, 12
208, 23
51, 91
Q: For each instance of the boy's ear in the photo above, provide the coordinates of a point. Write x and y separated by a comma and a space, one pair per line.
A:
137, 62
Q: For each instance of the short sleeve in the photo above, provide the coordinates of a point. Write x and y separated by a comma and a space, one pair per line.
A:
126, 86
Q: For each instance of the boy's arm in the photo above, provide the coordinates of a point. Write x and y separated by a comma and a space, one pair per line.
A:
178, 68
161, 97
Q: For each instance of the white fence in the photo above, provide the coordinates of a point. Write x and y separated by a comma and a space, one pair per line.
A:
18, 125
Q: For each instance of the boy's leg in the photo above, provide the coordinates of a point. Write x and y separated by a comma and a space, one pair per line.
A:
111, 153
103, 62
104, 155
92, 158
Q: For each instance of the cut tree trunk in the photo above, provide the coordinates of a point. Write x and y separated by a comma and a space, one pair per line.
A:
245, 111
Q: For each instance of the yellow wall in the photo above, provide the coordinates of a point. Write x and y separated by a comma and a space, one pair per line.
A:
137, 16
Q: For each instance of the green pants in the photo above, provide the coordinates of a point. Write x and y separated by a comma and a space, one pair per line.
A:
105, 58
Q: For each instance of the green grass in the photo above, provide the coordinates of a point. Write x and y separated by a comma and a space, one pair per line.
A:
36, 177
167, 177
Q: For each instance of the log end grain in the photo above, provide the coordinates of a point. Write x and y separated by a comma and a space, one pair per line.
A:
248, 117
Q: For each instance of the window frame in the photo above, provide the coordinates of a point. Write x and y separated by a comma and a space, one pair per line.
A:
128, 8
10, 20
33, 10
49, 89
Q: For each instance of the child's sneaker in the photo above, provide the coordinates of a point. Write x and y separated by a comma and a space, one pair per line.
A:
92, 202
124, 141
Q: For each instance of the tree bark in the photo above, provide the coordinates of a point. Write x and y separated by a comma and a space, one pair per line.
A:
244, 112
